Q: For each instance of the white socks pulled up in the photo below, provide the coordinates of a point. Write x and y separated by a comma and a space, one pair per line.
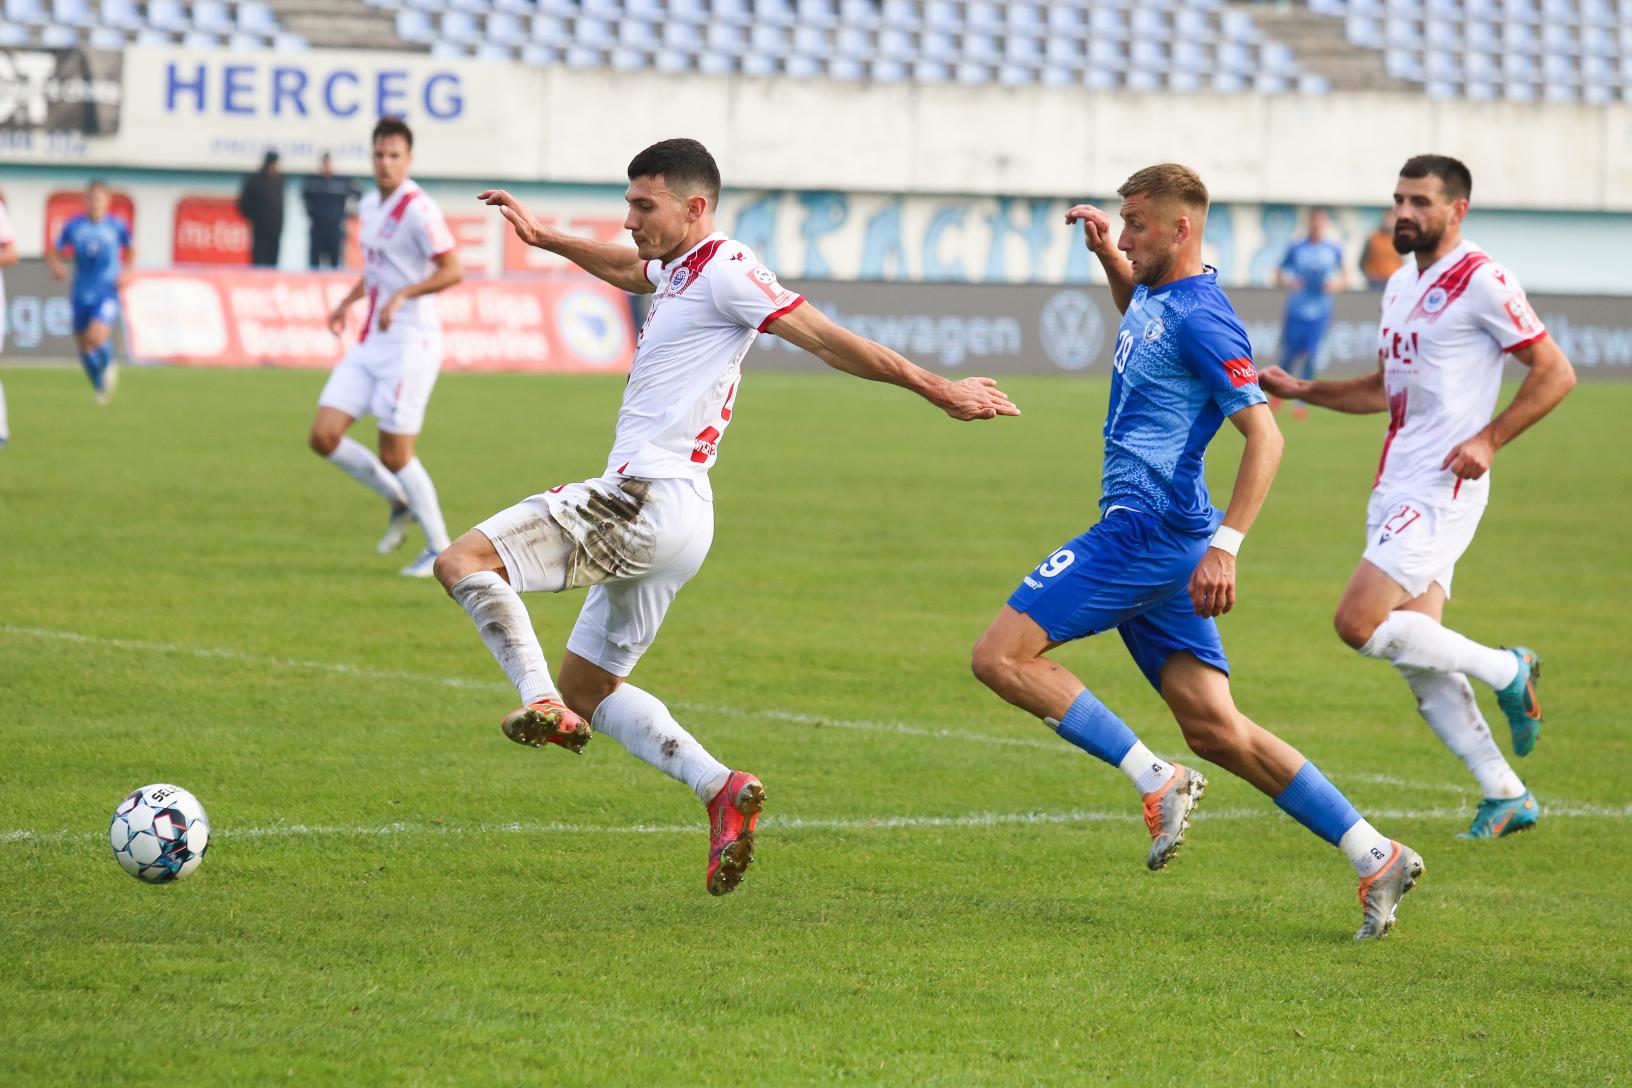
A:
358, 461
1446, 702
1412, 640
420, 495
641, 723
505, 627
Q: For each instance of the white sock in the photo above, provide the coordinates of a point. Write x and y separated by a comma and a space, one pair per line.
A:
641, 723
1144, 768
1413, 640
502, 620
1446, 702
358, 461
416, 484
1366, 850
4, 434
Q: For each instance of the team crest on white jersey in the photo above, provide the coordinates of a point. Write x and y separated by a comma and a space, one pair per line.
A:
678, 280
1154, 329
1435, 300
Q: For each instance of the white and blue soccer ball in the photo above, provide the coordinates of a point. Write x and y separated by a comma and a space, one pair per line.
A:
159, 833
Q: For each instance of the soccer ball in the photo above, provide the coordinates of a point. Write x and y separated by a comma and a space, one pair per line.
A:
159, 833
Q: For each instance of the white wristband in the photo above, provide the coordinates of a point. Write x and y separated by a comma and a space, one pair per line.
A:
1228, 540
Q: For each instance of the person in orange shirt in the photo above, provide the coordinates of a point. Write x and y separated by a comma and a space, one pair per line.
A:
1378, 259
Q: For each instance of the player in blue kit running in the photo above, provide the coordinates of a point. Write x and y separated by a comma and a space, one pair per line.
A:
98, 241
1311, 272
1160, 565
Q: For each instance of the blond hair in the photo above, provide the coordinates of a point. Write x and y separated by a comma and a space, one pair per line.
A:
1168, 181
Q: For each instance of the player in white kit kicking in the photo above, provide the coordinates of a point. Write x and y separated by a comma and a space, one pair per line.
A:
8, 256
637, 533
1451, 317
408, 255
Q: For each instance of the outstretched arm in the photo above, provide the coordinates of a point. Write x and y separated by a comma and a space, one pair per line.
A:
971, 398
1359, 396
1212, 587
1096, 234
1551, 377
621, 266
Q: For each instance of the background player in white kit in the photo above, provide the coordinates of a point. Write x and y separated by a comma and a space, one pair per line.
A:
635, 535
1451, 317
408, 254
8, 256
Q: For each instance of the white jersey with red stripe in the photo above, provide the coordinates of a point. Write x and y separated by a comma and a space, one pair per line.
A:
1444, 336
400, 235
711, 302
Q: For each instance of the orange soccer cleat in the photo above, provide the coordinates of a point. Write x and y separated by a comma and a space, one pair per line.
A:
1167, 814
732, 816
547, 721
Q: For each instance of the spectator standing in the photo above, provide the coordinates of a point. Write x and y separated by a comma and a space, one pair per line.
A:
1378, 258
330, 200
260, 201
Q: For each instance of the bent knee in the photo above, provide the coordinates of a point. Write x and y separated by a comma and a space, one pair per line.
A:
1354, 626
993, 665
1215, 738
323, 441
395, 460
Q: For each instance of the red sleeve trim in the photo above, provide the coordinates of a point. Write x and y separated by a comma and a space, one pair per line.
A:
444, 252
1522, 344
783, 312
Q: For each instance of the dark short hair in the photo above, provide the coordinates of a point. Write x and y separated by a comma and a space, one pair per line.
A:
1457, 178
95, 183
392, 126
685, 164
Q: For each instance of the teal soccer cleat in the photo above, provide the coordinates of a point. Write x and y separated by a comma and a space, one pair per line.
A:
1518, 701
1497, 817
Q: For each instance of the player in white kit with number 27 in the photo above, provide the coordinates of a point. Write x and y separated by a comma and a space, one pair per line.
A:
637, 533
1451, 317
408, 255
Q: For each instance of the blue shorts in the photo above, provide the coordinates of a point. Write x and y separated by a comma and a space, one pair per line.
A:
99, 307
1131, 572
1302, 339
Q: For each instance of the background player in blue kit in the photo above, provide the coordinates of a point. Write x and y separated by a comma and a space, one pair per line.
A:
1160, 565
98, 241
1312, 271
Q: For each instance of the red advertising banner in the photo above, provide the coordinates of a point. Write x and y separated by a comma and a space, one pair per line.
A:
209, 230
61, 207
258, 317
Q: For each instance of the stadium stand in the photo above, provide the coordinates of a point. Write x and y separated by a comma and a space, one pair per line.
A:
1523, 50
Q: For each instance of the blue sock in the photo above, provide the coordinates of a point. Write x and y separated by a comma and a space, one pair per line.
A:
1316, 804
104, 359
93, 367
1093, 728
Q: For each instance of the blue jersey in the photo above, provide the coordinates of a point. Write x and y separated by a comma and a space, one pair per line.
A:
1314, 263
1183, 364
97, 246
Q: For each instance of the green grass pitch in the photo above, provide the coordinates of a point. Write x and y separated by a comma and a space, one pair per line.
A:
945, 894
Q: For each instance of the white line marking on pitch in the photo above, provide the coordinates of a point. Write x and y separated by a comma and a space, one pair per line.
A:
788, 716
793, 823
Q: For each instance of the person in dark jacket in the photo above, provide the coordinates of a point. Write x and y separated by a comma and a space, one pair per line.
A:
260, 201
330, 200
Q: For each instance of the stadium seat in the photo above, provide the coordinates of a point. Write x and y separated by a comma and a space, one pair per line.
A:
27, 13
549, 30
901, 14
889, 71
726, 40
1106, 22
667, 61
460, 27
167, 15
984, 15
779, 13
858, 13
942, 15
213, 16
1185, 81
803, 66
768, 40
495, 51
58, 37
676, 36
515, 7
716, 64
150, 38
505, 28
445, 50
198, 39
972, 74
105, 37
938, 47
239, 42
119, 13
257, 18
11, 34
730, 11
284, 42
72, 13
848, 69
1067, 19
